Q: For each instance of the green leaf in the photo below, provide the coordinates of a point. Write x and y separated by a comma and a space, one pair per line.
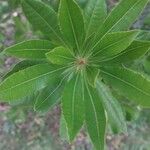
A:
133, 52
49, 96
95, 13
43, 18
20, 66
130, 84
95, 117
82, 3
63, 131
60, 55
25, 102
146, 64
92, 74
132, 113
87, 44
73, 105
122, 16
112, 107
28, 81
112, 44
144, 35
71, 23
33, 49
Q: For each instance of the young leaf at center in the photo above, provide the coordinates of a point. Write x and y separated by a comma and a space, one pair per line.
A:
60, 56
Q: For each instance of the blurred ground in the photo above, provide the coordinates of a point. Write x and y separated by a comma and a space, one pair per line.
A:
23, 129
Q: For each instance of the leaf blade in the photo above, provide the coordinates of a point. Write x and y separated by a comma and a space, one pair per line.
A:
32, 49
49, 96
71, 23
128, 83
136, 50
92, 75
20, 66
95, 13
43, 18
112, 107
72, 105
60, 55
113, 43
22, 83
126, 10
63, 131
96, 117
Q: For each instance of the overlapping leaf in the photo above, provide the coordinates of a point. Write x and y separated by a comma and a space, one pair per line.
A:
28, 81
112, 107
95, 13
132, 85
60, 56
25, 102
49, 96
133, 52
81, 51
92, 75
112, 44
144, 35
43, 18
122, 16
33, 49
20, 66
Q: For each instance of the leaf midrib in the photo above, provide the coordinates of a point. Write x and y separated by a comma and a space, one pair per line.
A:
46, 23
116, 112
72, 26
96, 119
122, 53
32, 79
91, 16
111, 45
136, 3
59, 85
73, 102
115, 23
26, 49
129, 84
65, 57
